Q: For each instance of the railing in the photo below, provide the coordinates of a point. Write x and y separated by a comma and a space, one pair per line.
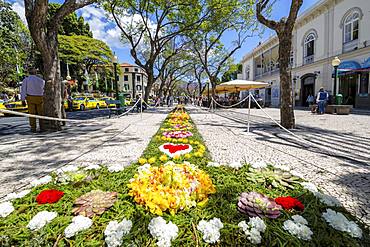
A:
350, 46
308, 59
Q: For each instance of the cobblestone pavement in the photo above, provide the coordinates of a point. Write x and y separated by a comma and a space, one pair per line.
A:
335, 155
24, 157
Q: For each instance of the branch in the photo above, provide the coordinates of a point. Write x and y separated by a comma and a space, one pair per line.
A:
261, 6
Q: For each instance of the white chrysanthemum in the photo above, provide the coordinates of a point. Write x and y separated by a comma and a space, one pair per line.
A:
236, 165
329, 200
16, 195
41, 219
92, 167
163, 232
79, 223
309, 186
41, 181
68, 168
259, 164
6, 208
339, 222
298, 227
253, 229
115, 231
210, 230
213, 164
144, 168
115, 168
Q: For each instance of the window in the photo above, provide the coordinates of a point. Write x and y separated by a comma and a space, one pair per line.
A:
351, 24
125, 78
126, 70
138, 78
136, 69
364, 84
309, 48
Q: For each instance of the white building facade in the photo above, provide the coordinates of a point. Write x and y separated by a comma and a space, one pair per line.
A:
132, 79
328, 29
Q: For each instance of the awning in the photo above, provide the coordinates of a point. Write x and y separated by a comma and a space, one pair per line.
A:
366, 64
347, 68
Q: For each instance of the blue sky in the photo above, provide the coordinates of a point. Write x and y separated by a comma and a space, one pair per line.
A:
108, 32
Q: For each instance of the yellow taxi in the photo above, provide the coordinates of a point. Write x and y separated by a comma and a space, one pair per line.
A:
2, 106
15, 106
102, 102
82, 103
108, 98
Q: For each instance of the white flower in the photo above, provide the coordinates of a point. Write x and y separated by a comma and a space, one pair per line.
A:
68, 168
259, 164
309, 186
163, 232
281, 167
298, 227
15, 195
41, 181
329, 200
210, 230
214, 164
115, 231
339, 222
79, 223
6, 208
92, 167
41, 219
236, 165
144, 168
115, 168
253, 229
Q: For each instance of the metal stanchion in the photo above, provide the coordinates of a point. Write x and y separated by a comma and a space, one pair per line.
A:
249, 109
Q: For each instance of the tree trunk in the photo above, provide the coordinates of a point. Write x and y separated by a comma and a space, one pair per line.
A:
286, 99
149, 85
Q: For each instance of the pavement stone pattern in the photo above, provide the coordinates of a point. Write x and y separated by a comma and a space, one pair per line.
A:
338, 161
25, 157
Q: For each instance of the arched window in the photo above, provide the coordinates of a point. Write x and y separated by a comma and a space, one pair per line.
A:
351, 27
309, 45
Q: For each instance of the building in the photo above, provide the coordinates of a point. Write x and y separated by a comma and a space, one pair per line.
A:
328, 29
132, 79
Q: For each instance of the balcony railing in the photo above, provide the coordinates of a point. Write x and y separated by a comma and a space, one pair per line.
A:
308, 59
350, 46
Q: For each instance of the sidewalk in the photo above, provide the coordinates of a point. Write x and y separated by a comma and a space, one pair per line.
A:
346, 179
117, 140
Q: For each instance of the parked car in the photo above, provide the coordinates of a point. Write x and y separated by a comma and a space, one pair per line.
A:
2, 106
253, 103
83, 103
105, 100
15, 106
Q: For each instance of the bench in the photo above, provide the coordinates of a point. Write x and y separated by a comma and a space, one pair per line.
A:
118, 109
338, 109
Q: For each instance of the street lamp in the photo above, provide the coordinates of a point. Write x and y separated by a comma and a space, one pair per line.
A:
335, 63
115, 61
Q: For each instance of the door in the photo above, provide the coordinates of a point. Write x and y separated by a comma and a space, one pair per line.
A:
348, 88
308, 87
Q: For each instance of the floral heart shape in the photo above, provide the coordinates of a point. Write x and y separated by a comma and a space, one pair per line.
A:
175, 149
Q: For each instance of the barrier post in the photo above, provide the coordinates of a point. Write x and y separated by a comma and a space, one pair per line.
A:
249, 109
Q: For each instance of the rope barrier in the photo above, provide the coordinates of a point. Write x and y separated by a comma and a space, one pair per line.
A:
230, 106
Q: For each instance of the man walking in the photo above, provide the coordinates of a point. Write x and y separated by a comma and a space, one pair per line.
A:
322, 98
33, 90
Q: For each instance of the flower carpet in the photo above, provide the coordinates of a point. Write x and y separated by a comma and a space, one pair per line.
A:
174, 195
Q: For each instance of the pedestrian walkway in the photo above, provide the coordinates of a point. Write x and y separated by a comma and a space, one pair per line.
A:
347, 178
118, 140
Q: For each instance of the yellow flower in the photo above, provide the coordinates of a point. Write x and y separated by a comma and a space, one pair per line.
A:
191, 142
152, 160
177, 156
163, 158
142, 161
163, 138
185, 141
187, 156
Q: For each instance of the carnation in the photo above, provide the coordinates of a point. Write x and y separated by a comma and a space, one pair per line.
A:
115, 168
210, 230
49, 196
329, 200
259, 164
163, 232
68, 168
339, 222
41, 181
310, 187
253, 229
281, 167
41, 219
298, 227
289, 202
115, 231
6, 208
79, 223
236, 165
15, 195
213, 164
92, 167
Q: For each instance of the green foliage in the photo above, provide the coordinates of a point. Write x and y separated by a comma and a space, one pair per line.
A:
229, 185
71, 25
15, 44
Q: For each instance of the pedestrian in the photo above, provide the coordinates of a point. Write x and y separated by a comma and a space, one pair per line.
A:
4, 96
322, 98
310, 100
32, 90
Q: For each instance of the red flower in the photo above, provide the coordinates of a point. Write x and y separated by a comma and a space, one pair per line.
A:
173, 148
289, 202
49, 196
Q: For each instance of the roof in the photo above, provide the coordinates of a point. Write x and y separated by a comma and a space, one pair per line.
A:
127, 65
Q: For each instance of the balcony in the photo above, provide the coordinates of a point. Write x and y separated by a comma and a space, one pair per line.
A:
308, 59
350, 46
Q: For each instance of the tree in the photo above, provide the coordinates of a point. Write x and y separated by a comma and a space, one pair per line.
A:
232, 18
232, 73
83, 52
284, 30
45, 36
148, 26
15, 45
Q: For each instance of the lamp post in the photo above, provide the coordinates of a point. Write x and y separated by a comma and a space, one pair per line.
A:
335, 63
209, 102
115, 61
